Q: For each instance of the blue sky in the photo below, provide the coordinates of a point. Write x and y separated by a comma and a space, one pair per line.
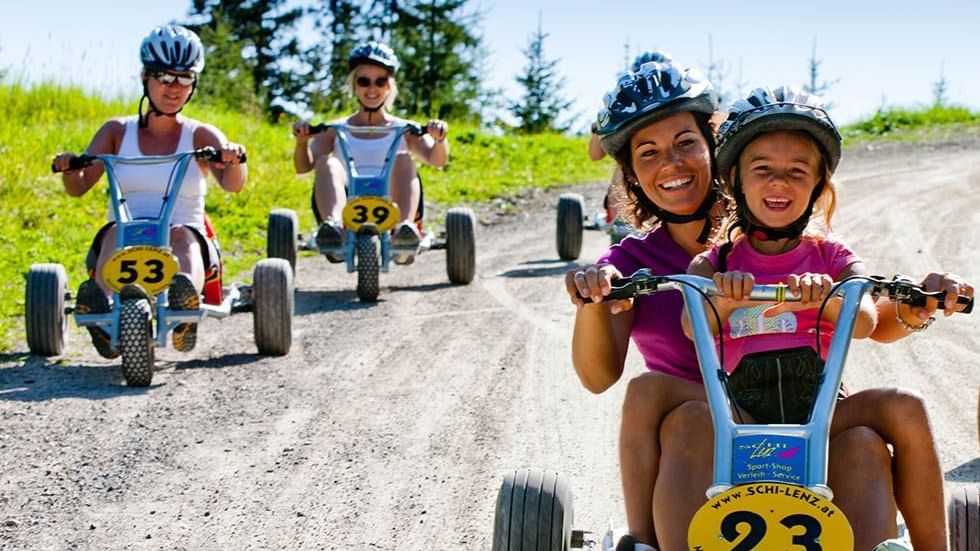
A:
878, 52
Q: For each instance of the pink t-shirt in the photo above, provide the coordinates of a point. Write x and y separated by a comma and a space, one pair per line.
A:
657, 330
747, 331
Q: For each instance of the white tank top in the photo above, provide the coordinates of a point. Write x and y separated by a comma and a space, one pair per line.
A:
369, 153
143, 186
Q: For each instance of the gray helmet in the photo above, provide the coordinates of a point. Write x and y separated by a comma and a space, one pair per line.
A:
172, 48
770, 110
647, 57
376, 53
656, 91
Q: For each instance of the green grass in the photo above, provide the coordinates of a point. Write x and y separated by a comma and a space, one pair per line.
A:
39, 222
905, 125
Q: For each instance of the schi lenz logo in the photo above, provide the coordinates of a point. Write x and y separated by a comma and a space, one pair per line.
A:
766, 449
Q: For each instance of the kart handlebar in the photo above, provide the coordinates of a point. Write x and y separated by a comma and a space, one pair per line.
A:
205, 153
410, 128
899, 288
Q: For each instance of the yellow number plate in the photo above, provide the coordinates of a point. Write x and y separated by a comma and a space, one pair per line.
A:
151, 268
369, 209
769, 516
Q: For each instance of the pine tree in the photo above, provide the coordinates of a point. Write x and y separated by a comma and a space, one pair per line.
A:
542, 104
940, 87
339, 21
264, 30
815, 86
227, 81
438, 51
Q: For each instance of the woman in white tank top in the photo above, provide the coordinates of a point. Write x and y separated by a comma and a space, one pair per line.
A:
172, 60
372, 80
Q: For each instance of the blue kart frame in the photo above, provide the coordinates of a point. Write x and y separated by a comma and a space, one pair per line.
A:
132, 314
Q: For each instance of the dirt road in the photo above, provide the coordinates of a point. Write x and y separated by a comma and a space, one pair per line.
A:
389, 425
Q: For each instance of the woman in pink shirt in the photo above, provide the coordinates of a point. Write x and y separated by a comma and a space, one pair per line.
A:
656, 124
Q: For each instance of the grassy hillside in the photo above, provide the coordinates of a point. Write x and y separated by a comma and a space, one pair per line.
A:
40, 223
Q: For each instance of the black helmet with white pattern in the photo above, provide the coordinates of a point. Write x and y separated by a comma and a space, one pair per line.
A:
172, 48
772, 109
656, 91
646, 57
376, 53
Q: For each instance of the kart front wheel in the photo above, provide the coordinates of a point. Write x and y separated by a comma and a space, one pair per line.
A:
45, 320
368, 267
460, 245
272, 313
571, 224
136, 343
281, 237
964, 519
534, 511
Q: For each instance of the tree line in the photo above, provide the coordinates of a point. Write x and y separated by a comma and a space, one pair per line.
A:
256, 62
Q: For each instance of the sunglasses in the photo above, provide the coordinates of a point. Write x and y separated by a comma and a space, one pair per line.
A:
364, 82
168, 78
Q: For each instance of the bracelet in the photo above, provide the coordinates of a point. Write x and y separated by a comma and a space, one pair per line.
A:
912, 328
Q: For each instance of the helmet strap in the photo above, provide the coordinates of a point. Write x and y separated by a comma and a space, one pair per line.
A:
144, 121
703, 211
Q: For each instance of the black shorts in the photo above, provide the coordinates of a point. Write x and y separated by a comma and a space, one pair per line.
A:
209, 250
778, 386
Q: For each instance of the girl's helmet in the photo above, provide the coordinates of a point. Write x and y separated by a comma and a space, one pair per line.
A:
647, 57
172, 48
769, 110
376, 53
657, 90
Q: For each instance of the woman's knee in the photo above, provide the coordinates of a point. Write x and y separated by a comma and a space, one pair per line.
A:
860, 449
688, 425
654, 394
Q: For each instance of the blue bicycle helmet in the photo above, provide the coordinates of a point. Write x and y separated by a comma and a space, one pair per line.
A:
172, 48
376, 53
646, 57
769, 110
656, 91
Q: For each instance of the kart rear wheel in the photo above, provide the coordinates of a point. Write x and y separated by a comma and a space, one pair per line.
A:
964, 519
571, 224
281, 237
534, 511
272, 313
368, 267
136, 343
45, 320
460, 245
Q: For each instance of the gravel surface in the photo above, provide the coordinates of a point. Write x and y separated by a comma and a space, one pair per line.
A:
389, 425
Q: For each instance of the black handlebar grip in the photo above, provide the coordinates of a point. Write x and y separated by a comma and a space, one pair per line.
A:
76, 163
214, 155
621, 289
920, 300
318, 128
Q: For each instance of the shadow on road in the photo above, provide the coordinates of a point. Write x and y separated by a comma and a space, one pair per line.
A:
421, 288
40, 379
218, 362
542, 268
316, 302
967, 472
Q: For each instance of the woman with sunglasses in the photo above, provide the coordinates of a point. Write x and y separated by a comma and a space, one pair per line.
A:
372, 79
172, 57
